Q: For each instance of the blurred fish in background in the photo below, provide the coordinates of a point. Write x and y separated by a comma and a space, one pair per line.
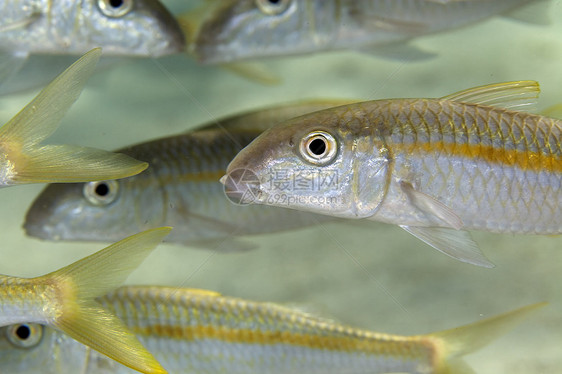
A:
198, 331
472, 160
229, 31
142, 28
64, 300
180, 188
24, 160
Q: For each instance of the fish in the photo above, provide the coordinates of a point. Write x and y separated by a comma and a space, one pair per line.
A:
64, 301
473, 160
137, 28
199, 331
23, 159
230, 31
180, 189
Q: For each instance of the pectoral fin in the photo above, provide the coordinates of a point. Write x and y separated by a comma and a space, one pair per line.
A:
455, 243
21, 23
431, 206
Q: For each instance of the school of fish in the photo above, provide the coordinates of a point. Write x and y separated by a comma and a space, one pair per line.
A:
477, 159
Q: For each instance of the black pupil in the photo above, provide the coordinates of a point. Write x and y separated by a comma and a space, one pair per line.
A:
275, 2
102, 189
116, 3
23, 332
317, 146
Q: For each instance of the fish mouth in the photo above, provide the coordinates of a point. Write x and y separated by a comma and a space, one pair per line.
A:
242, 186
40, 219
35, 225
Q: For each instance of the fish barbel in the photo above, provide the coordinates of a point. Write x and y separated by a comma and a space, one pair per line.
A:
227, 31
24, 160
197, 331
64, 300
125, 27
180, 189
473, 160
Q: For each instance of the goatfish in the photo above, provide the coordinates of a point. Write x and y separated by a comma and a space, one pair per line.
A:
197, 331
141, 28
230, 31
180, 189
64, 301
473, 160
24, 160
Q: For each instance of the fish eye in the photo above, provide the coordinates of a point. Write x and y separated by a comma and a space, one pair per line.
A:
101, 193
115, 8
273, 7
318, 147
24, 335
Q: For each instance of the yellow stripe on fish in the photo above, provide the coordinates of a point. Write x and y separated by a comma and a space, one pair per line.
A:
473, 160
389, 345
533, 161
195, 331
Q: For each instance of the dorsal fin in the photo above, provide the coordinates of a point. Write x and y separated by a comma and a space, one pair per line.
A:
516, 95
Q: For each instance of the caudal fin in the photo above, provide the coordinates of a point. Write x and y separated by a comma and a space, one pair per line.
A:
84, 319
463, 340
28, 162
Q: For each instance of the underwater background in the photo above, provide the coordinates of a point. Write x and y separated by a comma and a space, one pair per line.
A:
361, 273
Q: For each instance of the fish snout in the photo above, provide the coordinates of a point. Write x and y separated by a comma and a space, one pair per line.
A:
241, 186
36, 223
45, 217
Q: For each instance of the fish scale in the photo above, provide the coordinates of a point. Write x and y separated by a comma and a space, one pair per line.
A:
69, 27
202, 332
441, 167
241, 337
180, 188
221, 32
473, 160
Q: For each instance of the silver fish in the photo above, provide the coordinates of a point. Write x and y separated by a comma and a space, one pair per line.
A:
197, 331
437, 167
64, 300
180, 189
120, 27
226, 31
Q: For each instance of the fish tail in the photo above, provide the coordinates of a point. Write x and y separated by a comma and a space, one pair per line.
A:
72, 164
458, 342
25, 161
84, 319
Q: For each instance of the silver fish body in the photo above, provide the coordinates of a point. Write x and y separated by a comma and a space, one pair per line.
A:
181, 188
436, 167
197, 331
235, 30
128, 27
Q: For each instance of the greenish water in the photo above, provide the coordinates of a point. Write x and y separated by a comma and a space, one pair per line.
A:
365, 274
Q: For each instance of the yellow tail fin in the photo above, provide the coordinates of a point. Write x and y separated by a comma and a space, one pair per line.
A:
23, 160
463, 340
84, 319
